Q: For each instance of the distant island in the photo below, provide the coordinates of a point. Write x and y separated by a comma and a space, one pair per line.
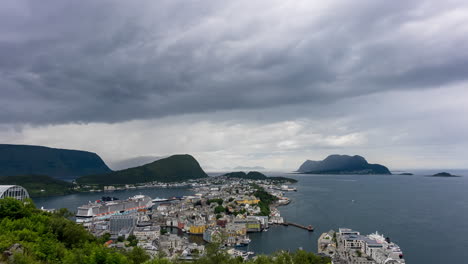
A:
342, 164
443, 174
255, 175
172, 169
57, 163
39, 185
249, 168
406, 173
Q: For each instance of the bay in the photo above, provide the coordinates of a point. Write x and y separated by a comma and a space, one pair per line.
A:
426, 216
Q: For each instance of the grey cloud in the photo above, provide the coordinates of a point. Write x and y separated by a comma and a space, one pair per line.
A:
112, 61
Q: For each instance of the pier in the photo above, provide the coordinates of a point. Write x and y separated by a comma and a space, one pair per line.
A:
308, 228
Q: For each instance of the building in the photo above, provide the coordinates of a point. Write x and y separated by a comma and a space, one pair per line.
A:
248, 200
122, 225
13, 191
212, 234
147, 233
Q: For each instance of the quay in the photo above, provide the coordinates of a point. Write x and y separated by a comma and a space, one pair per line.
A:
308, 228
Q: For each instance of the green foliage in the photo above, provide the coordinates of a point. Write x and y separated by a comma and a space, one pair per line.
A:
12, 208
48, 238
219, 209
137, 255
133, 241
39, 185
172, 169
216, 200
266, 200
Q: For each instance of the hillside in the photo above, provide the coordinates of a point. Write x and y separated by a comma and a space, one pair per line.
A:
255, 175
39, 185
172, 169
342, 164
57, 163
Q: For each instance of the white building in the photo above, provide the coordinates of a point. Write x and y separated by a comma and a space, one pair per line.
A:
14, 191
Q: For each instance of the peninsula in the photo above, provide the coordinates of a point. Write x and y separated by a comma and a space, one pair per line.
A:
342, 164
255, 175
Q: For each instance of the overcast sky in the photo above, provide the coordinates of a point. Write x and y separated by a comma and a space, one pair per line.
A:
239, 83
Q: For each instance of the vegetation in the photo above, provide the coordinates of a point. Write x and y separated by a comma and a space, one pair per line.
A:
37, 160
172, 169
32, 236
265, 198
216, 200
39, 185
219, 209
255, 175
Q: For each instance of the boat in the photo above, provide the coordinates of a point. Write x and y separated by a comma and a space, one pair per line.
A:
158, 200
101, 210
245, 241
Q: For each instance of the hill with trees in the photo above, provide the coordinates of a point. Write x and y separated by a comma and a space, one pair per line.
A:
57, 163
175, 168
255, 175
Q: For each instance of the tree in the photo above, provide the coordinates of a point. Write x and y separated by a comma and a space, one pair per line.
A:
138, 255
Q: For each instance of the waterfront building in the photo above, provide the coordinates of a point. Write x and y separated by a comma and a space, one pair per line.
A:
13, 191
349, 246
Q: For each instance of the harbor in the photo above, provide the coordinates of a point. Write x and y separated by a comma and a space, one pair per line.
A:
220, 209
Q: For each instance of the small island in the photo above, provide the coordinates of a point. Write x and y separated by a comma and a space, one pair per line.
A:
406, 173
342, 164
444, 174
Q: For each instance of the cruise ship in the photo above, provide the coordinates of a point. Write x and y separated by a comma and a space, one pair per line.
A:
100, 210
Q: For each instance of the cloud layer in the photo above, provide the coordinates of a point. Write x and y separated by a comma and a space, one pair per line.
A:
111, 61
253, 83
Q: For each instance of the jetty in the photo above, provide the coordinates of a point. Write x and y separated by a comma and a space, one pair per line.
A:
308, 228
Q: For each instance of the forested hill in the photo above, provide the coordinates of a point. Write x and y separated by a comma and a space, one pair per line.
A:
255, 175
172, 169
57, 163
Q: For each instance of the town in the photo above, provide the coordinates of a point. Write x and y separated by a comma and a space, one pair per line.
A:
223, 210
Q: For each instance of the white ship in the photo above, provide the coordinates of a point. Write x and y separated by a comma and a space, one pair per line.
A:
100, 210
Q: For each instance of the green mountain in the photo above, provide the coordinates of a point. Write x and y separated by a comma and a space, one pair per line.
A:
342, 164
172, 169
39, 185
57, 163
255, 175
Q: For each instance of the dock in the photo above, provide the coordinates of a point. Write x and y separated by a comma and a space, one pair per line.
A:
308, 228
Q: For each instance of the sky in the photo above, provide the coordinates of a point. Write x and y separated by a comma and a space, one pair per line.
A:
238, 83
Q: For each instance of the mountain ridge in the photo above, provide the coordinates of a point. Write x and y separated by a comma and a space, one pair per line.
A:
18, 160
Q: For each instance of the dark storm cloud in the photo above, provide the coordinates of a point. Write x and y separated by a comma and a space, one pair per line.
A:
111, 61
